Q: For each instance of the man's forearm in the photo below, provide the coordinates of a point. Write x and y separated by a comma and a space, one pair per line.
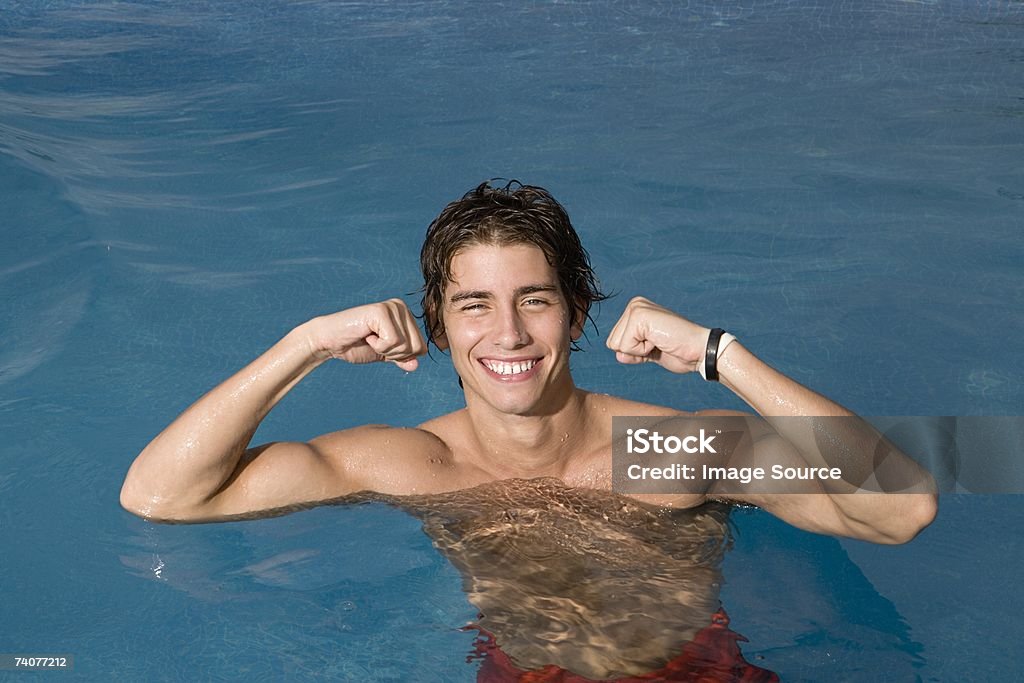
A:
768, 391
193, 457
833, 436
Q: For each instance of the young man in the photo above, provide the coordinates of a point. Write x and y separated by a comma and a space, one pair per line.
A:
508, 288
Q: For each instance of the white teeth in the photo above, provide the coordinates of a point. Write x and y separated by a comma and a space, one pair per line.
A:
509, 368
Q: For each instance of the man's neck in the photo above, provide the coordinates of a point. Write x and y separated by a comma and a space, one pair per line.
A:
528, 446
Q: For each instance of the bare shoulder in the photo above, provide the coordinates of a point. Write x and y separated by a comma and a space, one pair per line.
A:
385, 459
450, 429
375, 438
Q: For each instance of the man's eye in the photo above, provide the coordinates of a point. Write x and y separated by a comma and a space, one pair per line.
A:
535, 302
473, 307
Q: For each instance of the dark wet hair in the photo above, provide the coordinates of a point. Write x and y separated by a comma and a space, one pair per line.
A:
513, 214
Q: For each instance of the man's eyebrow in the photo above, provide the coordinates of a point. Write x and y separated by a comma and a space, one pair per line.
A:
533, 289
484, 294
473, 294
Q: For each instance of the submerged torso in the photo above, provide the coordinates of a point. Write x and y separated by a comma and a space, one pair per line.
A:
585, 579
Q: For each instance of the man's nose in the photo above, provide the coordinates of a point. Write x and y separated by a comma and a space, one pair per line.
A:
511, 330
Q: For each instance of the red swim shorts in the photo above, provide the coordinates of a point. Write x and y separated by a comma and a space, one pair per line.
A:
713, 656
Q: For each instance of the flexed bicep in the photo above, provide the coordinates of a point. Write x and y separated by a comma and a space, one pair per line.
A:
275, 476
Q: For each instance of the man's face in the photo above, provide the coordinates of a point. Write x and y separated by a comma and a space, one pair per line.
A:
507, 325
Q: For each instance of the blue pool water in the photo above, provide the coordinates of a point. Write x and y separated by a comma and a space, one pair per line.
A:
839, 184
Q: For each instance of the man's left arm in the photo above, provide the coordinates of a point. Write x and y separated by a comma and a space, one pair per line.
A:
894, 517
647, 332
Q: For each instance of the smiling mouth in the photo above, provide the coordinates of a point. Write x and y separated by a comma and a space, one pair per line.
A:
511, 370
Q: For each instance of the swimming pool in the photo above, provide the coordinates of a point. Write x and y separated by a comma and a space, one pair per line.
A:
838, 184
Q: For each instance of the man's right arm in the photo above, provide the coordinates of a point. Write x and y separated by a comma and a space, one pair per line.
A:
199, 468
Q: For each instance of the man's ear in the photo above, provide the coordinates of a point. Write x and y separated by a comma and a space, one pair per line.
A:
438, 335
576, 329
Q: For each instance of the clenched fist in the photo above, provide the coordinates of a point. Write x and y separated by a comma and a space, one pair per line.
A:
385, 331
649, 332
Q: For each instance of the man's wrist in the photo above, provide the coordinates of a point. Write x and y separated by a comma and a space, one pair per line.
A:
307, 337
717, 342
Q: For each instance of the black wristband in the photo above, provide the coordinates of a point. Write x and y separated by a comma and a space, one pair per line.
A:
711, 355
